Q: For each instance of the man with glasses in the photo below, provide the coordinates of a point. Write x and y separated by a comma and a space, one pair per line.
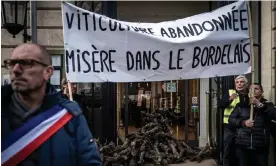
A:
39, 126
239, 95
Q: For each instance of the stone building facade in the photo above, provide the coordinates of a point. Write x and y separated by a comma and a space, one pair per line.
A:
50, 35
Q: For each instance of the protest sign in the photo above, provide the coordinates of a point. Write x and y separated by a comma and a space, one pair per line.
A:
101, 49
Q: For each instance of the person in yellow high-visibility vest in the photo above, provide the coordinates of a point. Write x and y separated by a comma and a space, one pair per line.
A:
228, 102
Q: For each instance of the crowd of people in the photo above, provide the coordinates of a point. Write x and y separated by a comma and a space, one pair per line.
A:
246, 136
41, 127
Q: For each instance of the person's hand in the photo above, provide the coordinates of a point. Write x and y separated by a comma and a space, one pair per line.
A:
253, 100
249, 123
233, 96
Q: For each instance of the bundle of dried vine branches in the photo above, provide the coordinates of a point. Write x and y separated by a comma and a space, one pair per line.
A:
153, 144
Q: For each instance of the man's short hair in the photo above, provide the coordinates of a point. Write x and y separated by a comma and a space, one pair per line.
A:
242, 77
45, 56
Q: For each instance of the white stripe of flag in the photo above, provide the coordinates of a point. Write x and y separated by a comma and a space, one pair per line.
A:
31, 136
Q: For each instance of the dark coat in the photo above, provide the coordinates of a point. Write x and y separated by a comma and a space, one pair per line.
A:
224, 101
261, 130
64, 148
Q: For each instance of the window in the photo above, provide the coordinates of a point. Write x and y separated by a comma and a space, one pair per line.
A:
94, 6
57, 76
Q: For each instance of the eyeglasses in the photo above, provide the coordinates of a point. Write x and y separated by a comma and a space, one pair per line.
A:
23, 63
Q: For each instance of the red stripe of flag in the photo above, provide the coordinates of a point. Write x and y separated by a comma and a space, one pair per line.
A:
27, 150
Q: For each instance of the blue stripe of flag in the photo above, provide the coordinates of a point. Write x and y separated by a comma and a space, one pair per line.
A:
25, 128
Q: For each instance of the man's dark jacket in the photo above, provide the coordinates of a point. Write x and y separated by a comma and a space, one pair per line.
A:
72, 145
224, 103
261, 129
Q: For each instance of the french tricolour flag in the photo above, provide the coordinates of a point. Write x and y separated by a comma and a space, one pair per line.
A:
19, 144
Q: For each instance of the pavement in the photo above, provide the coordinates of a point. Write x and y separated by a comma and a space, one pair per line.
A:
209, 162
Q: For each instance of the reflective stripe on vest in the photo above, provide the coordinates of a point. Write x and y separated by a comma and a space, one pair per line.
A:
230, 108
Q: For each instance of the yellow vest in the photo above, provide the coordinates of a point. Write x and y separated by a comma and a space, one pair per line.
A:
230, 108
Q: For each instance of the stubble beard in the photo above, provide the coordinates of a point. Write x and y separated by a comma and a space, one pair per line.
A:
25, 90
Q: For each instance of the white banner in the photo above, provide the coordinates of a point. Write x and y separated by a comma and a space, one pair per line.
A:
101, 49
